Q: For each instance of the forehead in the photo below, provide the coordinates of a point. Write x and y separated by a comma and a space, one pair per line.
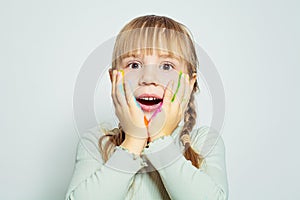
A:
152, 52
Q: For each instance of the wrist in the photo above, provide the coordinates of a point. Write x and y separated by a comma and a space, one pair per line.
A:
133, 145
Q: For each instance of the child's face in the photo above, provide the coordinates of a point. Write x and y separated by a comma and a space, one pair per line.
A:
149, 75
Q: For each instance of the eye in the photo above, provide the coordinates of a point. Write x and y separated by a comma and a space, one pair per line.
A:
166, 66
134, 65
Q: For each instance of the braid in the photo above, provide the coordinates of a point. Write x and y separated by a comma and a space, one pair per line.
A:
115, 137
189, 122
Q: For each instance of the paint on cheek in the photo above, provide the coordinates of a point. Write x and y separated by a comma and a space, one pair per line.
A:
178, 85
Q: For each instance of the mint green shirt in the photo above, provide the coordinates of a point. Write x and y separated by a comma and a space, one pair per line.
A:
161, 172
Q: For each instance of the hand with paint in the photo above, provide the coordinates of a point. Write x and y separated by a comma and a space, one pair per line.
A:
173, 106
129, 114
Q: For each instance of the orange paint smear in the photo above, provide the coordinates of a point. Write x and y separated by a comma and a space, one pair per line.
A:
146, 124
146, 121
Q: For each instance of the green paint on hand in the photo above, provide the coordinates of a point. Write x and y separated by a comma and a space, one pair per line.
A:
178, 85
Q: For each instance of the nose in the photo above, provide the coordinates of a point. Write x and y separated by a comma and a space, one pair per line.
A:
148, 75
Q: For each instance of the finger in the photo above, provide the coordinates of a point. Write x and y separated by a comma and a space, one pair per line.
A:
187, 92
187, 88
168, 94
113, 88
129, 96
178, 86
120, 94
182, 90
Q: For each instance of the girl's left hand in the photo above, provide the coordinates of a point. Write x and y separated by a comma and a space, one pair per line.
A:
171, 113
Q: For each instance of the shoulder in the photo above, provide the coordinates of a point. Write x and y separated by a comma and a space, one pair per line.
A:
88, 145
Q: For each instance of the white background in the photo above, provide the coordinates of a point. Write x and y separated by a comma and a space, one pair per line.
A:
254, 44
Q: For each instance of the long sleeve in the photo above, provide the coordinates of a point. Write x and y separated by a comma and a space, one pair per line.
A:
92, 179
181, 179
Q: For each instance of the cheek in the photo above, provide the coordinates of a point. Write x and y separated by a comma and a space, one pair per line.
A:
132, 78
165, 77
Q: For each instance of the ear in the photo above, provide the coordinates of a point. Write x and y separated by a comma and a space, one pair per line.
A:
110, 71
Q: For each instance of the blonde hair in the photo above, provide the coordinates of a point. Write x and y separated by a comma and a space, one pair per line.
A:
147, 34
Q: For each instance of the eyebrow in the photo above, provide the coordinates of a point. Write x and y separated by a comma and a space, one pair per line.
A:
162, 55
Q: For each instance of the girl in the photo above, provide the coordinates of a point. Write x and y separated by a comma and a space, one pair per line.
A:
150, 156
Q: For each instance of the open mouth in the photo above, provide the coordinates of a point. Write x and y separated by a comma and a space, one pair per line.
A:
149, 103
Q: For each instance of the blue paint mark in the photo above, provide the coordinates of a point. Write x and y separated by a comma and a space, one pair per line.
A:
137, 104
121, 89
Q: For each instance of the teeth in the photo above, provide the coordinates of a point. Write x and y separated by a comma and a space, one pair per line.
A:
149, 98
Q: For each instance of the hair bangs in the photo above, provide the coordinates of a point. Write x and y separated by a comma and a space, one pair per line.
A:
151, 40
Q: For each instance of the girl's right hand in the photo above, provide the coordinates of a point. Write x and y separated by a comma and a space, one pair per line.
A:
131, 117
